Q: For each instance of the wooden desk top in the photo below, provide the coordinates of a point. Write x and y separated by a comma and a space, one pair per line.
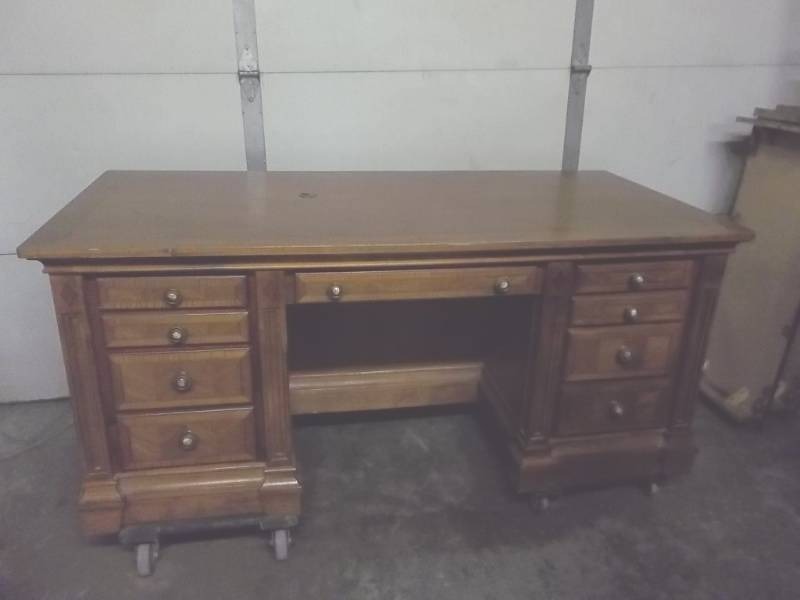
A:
158, 214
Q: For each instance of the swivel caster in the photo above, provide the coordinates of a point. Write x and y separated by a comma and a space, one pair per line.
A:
146, 557
280, 540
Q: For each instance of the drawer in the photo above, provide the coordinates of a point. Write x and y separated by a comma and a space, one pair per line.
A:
618, 309
172, 379
632, 351
170, 439
179, 291
359, 286
639, 276
135, 329
603, 407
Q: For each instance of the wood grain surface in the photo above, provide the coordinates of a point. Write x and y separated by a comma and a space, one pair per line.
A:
160, 214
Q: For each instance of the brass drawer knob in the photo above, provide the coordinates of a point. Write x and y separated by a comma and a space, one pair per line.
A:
189, 440
625, 356
182, 382
173, 297
177, 335
335, 292
631, 314
617, 410
637, 281
502, 286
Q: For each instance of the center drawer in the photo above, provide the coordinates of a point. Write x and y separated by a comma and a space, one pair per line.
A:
416, 284
173, 379
138, 329
171, 439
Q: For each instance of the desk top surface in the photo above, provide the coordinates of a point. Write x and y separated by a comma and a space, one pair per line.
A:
161, 214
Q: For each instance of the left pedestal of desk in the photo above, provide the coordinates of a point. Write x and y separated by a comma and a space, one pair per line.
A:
179, 387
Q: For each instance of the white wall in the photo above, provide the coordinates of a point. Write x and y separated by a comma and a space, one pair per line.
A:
669, 79
92, 85
87, 86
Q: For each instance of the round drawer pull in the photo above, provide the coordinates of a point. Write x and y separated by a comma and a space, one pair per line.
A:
625, 356
637, 281
502, 286
173, 297
335, 292
177, 335
189, 440
617, 410
631, 314
182, 382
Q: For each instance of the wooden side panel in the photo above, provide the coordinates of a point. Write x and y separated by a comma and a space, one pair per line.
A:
100, 505
680, 448
708, 280
82, 372
185, 292
548, 349
273, 346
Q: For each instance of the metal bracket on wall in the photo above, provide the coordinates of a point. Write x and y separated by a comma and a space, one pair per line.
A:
579, 73
244, 23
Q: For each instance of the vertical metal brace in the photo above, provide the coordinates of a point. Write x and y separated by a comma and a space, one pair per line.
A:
579, 73
244, 23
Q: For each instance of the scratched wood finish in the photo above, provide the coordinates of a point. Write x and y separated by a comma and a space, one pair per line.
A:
594, 353
154, 439
188, 292
587, 408
138, 329
183, 378
417, 284
615, 309
241, 248
174, 215
619, 277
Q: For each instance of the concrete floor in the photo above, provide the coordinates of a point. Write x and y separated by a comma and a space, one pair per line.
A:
415, 508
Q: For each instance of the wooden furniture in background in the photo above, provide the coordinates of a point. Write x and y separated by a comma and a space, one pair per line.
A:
199, 311
751, 364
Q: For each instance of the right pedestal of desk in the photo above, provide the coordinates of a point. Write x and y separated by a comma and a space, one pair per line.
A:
611, 376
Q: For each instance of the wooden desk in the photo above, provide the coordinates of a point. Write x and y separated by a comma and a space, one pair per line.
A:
199, 311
